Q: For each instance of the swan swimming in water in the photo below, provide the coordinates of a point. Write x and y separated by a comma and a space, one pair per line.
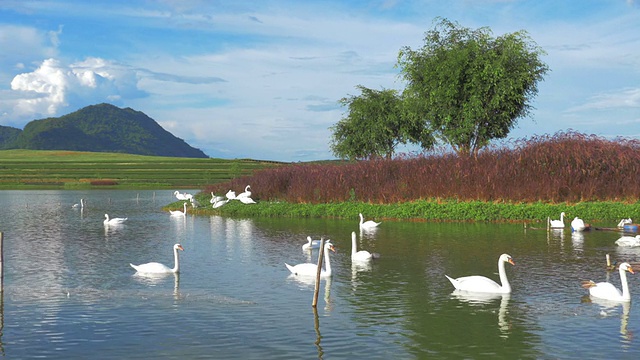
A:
578, 224
311, 244
309, 269
483, 284
628, 241
114, 221
557, 224
369, 224
178, 212
624, 222
158, 268
606, 290
361, 255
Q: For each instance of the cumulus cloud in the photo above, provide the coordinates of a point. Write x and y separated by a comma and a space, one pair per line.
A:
55, 86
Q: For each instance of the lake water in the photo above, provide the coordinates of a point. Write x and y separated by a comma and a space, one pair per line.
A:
69, 291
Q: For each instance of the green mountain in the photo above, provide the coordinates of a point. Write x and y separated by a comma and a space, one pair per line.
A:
99, 128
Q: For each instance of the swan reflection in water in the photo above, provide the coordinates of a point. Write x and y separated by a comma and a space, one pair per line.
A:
609, 308
308, 283
484, 299
155, 279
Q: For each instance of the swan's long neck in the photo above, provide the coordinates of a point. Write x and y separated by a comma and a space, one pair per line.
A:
354, 250
176, 260
625, 286
328, 262
506, 287
562, 217
361, 219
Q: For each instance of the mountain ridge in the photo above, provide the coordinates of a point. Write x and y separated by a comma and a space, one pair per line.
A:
99, 128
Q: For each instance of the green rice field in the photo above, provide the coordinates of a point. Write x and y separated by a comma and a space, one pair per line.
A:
20, 169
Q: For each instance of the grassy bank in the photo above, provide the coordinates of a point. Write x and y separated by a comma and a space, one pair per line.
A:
586, 176
29, 169
599, 213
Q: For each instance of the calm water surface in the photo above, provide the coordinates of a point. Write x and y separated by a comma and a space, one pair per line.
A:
69, 291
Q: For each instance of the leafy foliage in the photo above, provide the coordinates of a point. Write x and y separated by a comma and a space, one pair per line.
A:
8, 136
468, 87
373, 127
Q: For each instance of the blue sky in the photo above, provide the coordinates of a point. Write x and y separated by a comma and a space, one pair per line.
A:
262, 79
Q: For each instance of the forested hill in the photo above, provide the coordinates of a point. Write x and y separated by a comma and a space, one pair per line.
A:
99, 128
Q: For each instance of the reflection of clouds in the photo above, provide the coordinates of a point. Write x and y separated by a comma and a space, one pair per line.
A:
482, 299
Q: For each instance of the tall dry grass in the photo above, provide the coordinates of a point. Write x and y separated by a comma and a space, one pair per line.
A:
565, 167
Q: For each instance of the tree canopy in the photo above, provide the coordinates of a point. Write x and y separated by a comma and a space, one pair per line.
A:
467, 87
373, 127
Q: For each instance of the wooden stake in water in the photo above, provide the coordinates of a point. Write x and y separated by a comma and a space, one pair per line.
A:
320, 259
1, 261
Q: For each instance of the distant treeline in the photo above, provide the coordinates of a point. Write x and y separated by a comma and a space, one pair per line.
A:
566, 167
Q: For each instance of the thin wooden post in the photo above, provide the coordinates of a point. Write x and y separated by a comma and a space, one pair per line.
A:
1, 261
317, 287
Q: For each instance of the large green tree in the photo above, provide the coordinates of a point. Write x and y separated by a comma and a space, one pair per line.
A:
468, 87
374, 126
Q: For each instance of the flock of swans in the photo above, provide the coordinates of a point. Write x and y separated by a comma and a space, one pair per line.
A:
357, 257
469, 284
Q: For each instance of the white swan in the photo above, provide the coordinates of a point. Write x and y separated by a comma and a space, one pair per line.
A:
606, 290
114, 221
178, 212
311, 244
246, 200
215, 198
309, 269
628, 241
624, 222
557, 223
369, 224
578, 224
362, 255
231, 195
219, 203
182, 196
482, 284
158, 268
80, 205
246, 193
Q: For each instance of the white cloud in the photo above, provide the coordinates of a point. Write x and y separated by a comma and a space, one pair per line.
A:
54, 86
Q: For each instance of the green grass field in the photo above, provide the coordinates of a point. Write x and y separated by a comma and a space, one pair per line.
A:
20, 169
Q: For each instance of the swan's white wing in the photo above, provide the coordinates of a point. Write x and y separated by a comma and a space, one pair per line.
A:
152, 267
476, 283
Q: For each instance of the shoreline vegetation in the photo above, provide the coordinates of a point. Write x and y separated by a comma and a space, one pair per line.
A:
525, 181
528, 180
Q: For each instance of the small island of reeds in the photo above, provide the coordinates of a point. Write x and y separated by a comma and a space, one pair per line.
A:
531, 179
